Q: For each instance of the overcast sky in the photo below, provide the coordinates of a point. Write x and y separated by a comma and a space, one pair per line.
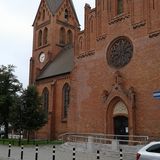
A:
16, 31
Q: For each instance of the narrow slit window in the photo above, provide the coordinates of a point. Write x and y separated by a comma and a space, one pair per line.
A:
69, 37
40, 38
91, 25
62, 36
45, 100
43, 14
153, 4
119, 6
45, 36
66, 97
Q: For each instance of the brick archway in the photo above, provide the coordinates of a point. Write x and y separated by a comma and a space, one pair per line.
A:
118, 94
116, 108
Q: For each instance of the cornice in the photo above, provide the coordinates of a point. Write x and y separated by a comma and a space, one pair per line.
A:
119, 18
43, 24
86, 54
139, 24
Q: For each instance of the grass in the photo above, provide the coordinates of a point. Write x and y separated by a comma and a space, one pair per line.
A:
16, 142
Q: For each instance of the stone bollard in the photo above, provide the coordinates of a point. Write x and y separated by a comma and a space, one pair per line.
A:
98, 154
121, 154
22, 152
74, 153
36, 153
53, 156
9, 151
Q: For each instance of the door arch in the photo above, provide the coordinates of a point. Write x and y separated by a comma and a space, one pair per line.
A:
118, 114
120, 118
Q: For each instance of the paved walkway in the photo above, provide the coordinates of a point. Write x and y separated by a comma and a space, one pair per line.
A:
45, 153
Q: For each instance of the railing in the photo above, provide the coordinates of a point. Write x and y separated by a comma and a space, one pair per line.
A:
104, 138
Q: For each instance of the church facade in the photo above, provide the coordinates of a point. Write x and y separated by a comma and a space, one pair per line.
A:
100, 79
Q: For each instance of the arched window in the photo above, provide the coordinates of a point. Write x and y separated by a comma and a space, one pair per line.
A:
39, 16
62, 36
66, 97
91, 25
45, 36
103, 4
45, 100
119, 6
43, 15
69, 37
81, 43
66, 14
40, 38
153, 4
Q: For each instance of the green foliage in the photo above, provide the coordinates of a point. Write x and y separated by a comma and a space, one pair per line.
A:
27, 114
21, 109
16, 114
10, 87
34, 116
15, 142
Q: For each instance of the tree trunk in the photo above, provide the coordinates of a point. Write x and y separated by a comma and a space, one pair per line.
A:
28, 136
20, 134
6, 130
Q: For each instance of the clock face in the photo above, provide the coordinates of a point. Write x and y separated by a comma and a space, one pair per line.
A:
42, 57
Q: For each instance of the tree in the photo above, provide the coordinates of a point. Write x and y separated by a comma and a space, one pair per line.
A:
16, 116
10, 87
33, 115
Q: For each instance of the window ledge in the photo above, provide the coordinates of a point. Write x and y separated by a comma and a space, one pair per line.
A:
64, 120
43, 46
61, 45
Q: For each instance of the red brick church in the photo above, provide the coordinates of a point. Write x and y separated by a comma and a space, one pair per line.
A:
100, 79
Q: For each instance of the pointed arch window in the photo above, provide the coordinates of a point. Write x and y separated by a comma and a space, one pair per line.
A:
81, 43
62, 36
66, 99
43, 14
69, 37
153, 4
40, 38
91, 25
103, 4
119, 6
45, 100
45, 36
39, 16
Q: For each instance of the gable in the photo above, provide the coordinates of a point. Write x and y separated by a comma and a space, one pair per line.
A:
43, 6
67, 5
53, 6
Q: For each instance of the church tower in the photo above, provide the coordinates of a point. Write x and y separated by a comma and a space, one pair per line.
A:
55, 28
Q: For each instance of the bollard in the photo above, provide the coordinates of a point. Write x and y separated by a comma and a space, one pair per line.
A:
22, 152
74, 153
121, 154
53, 158
36, 154
9, 151
98, 155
